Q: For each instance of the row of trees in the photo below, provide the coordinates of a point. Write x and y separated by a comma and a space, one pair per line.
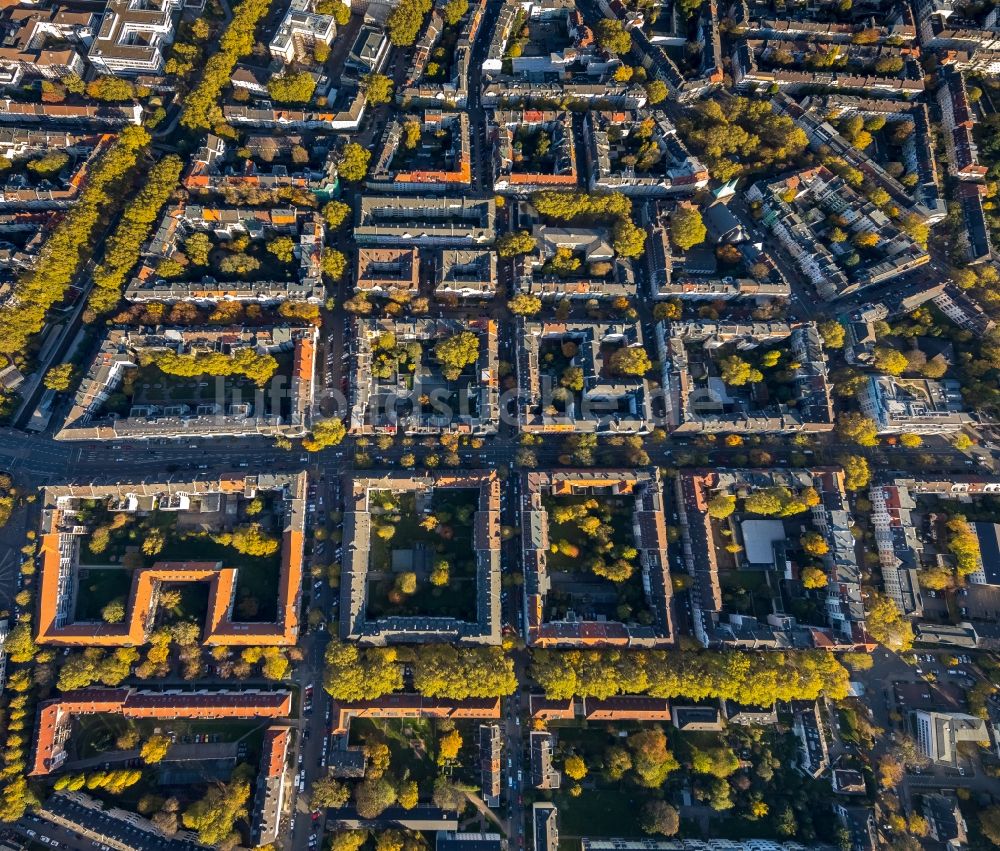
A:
259, 368
741, 135
404, 22
751, 678
439, 670
62, 255
123, 246
201, 107
627, 239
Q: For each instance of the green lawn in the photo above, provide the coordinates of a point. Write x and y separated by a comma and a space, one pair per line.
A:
148, 385
599, 812
398, 734
95, 734
451, 540
257, 577
564, 595
97, 588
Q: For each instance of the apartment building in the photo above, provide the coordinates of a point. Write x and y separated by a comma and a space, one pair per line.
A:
789, 207
47, 43
62, 537
439, 159
390, 402
299, 31
357, 624
533, 150
913, 405
707, 405
958, 120
425, 221
610, 401
464, 273
897, 544
940, 733
55, 717
133, 37
580, 629
225, 410
639, 153
270, 793
381, 271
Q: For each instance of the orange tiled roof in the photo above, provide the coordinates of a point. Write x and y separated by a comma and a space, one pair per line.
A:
55, 716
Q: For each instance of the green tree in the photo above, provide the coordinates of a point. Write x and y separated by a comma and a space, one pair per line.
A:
652, 762
857, 473
353, 162
572, 378
292, 87
814, 543
353, 673
334, 264
524, 304
687, 228
832, 333
656, 91
347, 840
813, 577
154, 749
59, 378
238, 264
962, 441
197, 248
858, 428
448, 746
721, 506
335, 214
454, 11
201, 108
515, 242
963, 544
617, 762
377, 89
887, 625
659, 817
49, 164
441, 670
408, 794
121, 250
111, 89
574, 767
372, 797
411, 134
283, 248
890, 361
68, 243
252, 540
563, 263
717, 762
326, 792
736, 372
456, 352
325, 433
404, 22
630, 360
613, 37
627, 239
20, 644
114, 611
215, 815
